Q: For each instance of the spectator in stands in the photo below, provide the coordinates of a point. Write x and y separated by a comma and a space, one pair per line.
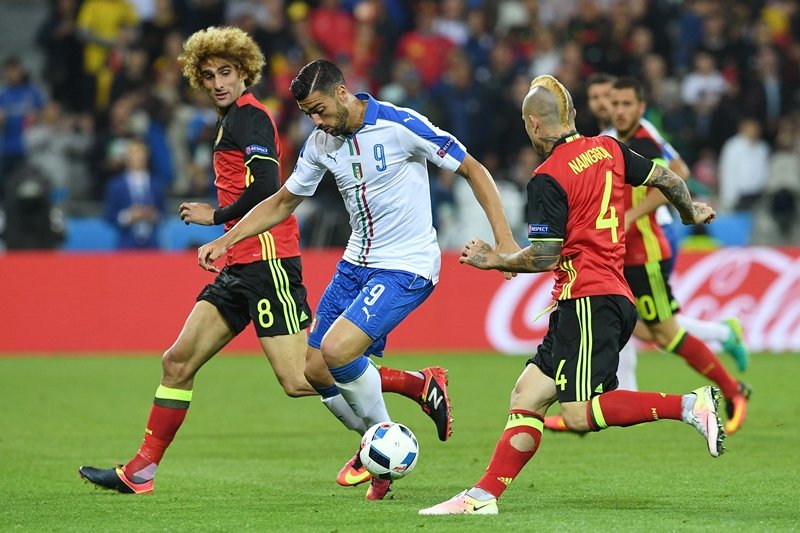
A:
31, 220
479, 40
105, 27
451, 22
58, 143
113, 135
154, 32
777, 215
134, 201
425, 49
702, 90
765, 93
134, 74
461, 105
63, 57
743, 165
333, 28
20, 101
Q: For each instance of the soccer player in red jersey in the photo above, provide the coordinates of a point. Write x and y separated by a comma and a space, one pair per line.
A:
644, 138
648, 260
575, 204
262, 280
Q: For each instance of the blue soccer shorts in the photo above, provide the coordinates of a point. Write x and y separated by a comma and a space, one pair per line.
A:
374, 299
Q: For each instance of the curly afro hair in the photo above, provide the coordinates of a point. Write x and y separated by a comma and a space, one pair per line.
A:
225, 42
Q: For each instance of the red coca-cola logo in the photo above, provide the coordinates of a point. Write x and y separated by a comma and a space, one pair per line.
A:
760, 286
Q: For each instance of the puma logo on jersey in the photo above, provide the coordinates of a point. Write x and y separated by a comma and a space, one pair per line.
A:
366, 312
408, 118
329, 156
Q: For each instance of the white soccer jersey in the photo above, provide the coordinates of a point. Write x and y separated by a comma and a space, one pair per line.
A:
382, 176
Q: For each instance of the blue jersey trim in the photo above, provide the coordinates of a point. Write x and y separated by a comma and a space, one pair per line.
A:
446, 143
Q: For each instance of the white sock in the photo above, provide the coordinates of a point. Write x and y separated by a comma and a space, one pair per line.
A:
480, 494
626, 372
365, 397
338, 406
704, 329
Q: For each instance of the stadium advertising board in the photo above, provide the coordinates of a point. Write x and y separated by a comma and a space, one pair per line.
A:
75, 303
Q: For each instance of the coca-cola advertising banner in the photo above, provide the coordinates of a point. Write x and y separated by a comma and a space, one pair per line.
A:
137, 302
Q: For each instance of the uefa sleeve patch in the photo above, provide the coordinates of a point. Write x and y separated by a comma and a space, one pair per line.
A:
538, 229
444, 148
256, 149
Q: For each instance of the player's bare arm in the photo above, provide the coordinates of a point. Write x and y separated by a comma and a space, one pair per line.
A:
263, 217
651, 202
674, 188
485, 191
540, 256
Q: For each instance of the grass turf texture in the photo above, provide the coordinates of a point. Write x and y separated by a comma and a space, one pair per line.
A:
249, 458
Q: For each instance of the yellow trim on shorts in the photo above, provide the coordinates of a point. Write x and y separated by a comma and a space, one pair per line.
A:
658, 287
583, 371
280, 280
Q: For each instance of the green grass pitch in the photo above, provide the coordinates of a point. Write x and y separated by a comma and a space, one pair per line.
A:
250, 459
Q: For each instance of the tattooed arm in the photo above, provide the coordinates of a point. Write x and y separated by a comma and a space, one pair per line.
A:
540, 256
674, 188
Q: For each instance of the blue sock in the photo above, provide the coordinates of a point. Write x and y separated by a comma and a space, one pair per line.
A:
328, 392
351, 371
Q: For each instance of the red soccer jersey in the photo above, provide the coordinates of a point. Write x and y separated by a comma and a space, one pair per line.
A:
576, 196
247, 132
645, 241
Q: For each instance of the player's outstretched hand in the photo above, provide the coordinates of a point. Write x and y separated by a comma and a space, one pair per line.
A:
197, 213
703, 214
478, 254
208, 253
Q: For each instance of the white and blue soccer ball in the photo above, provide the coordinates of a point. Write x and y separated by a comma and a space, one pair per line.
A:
389, 450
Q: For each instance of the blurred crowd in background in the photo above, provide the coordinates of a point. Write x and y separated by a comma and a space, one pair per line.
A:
109, 104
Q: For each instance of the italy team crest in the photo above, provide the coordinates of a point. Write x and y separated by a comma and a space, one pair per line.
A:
358, 173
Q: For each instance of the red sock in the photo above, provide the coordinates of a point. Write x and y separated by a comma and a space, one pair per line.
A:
507, 461
628, 408
166, 416
401, 382
702, 359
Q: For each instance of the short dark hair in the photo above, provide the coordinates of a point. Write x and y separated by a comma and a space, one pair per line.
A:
600, 77
629, 82
319, 75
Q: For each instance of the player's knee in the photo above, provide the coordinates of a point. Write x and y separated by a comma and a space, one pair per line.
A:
575, 418
334, 351
176, 368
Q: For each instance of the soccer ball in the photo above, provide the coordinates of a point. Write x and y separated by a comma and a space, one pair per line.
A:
389, 450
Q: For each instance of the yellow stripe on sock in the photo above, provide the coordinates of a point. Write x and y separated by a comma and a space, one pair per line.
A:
674, 342
529, 421
165, 393
597, 413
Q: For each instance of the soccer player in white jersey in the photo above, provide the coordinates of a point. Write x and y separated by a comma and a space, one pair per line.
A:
377, 153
